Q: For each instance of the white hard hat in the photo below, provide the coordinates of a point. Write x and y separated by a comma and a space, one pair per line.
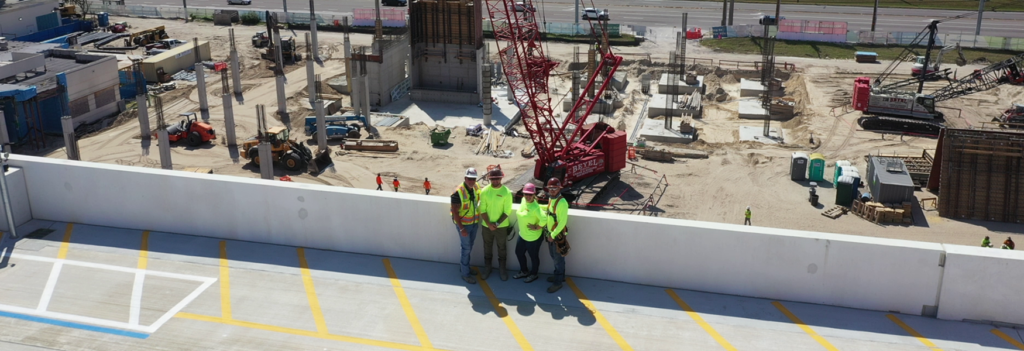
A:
748, 207
471, 172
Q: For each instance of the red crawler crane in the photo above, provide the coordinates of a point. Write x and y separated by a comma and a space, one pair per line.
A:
570, 150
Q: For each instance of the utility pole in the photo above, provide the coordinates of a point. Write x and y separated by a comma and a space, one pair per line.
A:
184, 4
981, 10
732, 9
778, 8
874, 16
725, 11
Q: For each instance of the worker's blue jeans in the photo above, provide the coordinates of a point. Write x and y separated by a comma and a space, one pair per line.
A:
467, 246
559, 261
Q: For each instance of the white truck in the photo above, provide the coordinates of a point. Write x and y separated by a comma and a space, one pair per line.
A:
592, 13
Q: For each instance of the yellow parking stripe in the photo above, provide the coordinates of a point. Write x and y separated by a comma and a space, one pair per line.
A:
144, 251
63, 253
225, 283
314, 302
700, 321
503, 314
300, 332
806, 329
597, 315
406, 306
913, 332
1008, 339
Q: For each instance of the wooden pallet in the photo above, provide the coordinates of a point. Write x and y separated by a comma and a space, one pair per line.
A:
834, 212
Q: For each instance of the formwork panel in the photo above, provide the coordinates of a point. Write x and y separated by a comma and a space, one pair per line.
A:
981, 175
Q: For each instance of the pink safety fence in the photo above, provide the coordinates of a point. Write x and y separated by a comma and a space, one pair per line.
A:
812, 27
385, 14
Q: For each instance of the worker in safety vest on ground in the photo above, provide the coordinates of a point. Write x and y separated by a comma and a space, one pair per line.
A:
558, 217
985, 242
1008, 244
746, 221
426, 185
395, 183
466, 215
532, 219
495, 210
380, 182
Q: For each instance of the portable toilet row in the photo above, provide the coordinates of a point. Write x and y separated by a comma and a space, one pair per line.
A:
846, 168
804, 167
846, 191
816, 168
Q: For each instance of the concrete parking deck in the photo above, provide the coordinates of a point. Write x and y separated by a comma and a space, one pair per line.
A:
79, 287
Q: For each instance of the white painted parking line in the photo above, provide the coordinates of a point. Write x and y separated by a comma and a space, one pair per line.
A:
51, 282
136, 302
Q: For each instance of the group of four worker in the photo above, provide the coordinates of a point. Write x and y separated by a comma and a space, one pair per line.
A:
490, 208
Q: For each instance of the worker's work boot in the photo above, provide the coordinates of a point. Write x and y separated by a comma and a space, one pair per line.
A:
553, 288
485, 273
502, 272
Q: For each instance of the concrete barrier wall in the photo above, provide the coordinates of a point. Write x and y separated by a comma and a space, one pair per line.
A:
19, 199
832, 269
983, 284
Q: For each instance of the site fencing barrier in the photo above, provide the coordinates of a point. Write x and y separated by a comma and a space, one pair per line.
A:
838, 32
559, 28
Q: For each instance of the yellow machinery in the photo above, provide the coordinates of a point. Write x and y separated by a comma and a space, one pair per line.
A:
147, 36
291, 155
68, 11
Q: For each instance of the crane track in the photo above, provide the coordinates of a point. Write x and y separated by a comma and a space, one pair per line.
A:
899, 125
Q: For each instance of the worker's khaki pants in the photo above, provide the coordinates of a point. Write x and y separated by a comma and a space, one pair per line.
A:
490, 237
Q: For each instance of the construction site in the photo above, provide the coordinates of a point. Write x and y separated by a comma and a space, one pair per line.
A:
666, 128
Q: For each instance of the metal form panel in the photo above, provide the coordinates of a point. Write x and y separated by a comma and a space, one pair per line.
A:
980, 175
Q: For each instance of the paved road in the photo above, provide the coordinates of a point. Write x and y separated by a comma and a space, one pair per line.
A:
702, 14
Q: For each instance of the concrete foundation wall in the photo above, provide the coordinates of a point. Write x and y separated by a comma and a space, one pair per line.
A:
388, 74
447, 72
19, 200
451, 97
834, 269
90, 79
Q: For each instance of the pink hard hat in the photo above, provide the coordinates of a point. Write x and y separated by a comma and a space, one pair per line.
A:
530, 189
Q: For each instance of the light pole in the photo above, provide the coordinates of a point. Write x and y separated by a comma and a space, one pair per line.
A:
5, 153
874, 16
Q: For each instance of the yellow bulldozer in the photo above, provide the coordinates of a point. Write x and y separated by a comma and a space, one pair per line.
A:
292, 155
68, 10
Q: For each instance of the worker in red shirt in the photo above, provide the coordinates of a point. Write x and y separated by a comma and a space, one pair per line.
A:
426, 185
379, 182
395, 183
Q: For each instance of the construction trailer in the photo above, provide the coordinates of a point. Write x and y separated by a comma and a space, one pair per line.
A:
174, 60
979, 175
889, 181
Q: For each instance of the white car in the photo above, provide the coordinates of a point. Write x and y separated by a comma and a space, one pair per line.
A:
592, 13
239, 2
523, 7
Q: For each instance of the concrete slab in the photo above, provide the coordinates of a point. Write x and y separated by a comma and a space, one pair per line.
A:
750, 133
754, 88
271, 307
654, 130
751, 109
665, 85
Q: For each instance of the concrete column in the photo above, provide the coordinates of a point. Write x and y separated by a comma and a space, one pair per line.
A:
486, 89
165, 148
312, 31
236, 73
310, 76
229, 121
70, 141
481, 61
4, 137
366, 97
321, 126
277, 50
204, 106
266, 161
348, 62
282, 101
144, 130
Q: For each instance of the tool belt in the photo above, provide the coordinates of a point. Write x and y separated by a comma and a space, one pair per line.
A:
562, 242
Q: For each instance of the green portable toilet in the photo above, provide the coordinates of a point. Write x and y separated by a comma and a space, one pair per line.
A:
845, 191
816, 168
838, 171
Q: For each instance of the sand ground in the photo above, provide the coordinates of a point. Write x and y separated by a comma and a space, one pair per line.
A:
736, 174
